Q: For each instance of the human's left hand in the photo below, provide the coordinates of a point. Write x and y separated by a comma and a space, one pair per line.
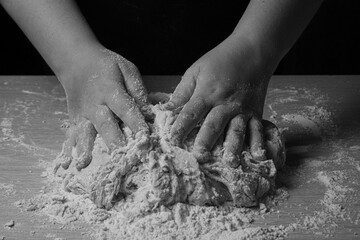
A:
226, 87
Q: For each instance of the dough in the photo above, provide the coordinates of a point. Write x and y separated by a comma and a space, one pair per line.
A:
150, 172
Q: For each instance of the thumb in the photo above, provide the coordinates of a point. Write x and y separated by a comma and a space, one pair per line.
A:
133, 82
182, 93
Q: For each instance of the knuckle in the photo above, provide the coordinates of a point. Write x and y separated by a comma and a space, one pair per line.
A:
238, 131
200, 146
191, 73
101, 112
255, 124
195, 106
131, 67
202, 156
103, 118
104, 125
238, 124
177, 133
85, 125
234, 107
223, 92
188, 115
211, 127
68, 150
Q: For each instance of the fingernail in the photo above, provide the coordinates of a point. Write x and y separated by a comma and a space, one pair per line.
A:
66, 162
169, 105
201, 155
56, 168
83, 161
175, 141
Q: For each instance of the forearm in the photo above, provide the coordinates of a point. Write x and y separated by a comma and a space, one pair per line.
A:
55, 27
275, 25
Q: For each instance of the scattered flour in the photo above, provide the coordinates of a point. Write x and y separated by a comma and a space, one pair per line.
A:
10, 224
7, 189
141, 212
313, 114
180, 221
303, 121
7, 131
184, 221
325, 220
44, 95
337, 176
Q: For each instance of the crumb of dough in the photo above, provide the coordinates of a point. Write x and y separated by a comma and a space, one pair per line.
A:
10, 224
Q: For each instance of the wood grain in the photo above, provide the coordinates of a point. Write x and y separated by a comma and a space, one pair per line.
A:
32, 110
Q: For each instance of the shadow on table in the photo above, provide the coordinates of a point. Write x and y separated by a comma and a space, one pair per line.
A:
344, 128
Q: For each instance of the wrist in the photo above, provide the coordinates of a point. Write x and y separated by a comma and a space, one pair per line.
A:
258, 56
69, 66
266, 52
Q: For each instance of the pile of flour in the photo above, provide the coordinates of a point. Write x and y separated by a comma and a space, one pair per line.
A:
152, 190
179, 221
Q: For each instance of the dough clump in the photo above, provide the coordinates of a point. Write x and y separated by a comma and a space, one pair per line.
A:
150, 172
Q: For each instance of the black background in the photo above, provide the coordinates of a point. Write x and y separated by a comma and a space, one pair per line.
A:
167, 36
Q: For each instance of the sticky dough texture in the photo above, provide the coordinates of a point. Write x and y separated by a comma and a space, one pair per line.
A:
150, 172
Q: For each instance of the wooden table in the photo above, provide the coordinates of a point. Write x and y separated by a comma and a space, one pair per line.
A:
320, 117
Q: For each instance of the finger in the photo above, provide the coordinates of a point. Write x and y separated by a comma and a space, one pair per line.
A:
84, 144
133, 83
182, 94
125, 107
192, 113
158, 97
274, 144
220, 141
256, 139
67, 149
234, 140
214, 124
108, 128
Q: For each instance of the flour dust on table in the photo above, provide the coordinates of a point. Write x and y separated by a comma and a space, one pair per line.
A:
149, 183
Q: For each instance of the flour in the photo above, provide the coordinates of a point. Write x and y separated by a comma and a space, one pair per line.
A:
304, 122
9, 224
179, 221
8, 132
331, 172
327, 171
153, 190
336, 192
313, 116
150, 172
7, 189
337, 180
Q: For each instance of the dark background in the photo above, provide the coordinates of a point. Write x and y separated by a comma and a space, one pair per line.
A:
167, 36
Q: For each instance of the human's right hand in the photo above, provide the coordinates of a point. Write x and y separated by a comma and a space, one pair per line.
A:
100, 85
101, 88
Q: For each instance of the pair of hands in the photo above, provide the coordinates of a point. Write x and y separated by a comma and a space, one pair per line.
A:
226, 88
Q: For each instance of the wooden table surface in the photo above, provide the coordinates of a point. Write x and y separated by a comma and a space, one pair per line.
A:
320, 117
